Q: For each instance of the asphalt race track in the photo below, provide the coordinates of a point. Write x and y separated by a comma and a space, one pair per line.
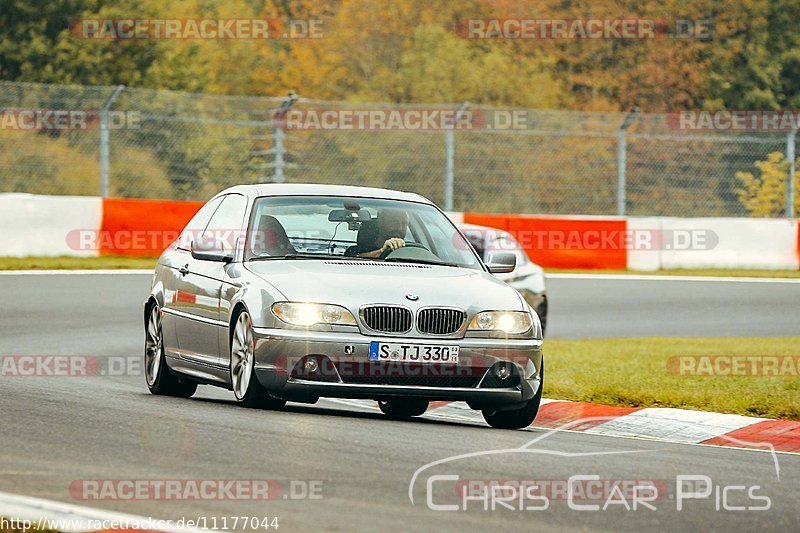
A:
599, 308
57, 431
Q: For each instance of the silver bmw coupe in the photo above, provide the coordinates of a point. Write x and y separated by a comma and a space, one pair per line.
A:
285, 292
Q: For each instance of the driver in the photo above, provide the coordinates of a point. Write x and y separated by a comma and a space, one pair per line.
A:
392, 229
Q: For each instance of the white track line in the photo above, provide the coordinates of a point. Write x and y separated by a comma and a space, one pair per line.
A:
655, 277
39, 511
66, 272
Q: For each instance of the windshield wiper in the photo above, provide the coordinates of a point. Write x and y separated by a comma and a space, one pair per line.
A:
291, 256
421, 261
302, 256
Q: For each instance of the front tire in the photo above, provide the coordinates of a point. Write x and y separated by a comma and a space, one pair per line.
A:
403, 407
246, 388
160, 379
517, 418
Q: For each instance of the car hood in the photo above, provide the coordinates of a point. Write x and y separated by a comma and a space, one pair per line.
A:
356, 283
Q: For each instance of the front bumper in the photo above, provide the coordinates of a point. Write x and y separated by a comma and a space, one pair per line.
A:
277, 352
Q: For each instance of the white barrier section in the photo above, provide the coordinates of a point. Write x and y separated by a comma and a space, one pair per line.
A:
757, 243
644, 253
34, 225
456, 216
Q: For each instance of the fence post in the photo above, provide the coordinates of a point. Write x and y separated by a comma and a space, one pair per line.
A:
104, 140
278, 124
450, 151
277, 176
622, 154
790, 157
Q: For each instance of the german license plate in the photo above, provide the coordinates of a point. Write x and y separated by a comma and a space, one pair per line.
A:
412, 353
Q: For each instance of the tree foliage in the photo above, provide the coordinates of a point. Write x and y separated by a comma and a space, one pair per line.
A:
411, 51
764, 195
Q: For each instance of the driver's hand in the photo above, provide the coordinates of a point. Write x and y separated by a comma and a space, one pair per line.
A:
393, 244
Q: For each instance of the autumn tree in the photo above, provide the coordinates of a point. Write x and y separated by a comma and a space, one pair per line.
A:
764, 195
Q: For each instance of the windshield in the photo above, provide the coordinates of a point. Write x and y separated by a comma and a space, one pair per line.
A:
389, 230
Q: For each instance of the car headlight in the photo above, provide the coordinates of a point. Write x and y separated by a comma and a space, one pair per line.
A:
511, 322
309, 314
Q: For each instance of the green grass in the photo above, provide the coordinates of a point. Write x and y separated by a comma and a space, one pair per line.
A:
724, 272
75, 263
634, 373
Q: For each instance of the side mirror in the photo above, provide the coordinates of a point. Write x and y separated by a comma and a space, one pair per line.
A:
210, 250
502, 262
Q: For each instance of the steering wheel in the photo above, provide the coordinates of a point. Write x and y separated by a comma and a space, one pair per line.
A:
386, 253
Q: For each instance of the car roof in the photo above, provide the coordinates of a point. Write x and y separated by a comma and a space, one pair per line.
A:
315, 189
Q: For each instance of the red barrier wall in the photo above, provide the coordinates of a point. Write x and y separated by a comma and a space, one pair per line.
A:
142, 228
564, 242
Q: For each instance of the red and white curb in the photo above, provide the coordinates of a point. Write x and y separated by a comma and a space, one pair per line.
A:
656, 423
676, 425
68, 518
